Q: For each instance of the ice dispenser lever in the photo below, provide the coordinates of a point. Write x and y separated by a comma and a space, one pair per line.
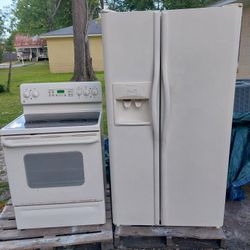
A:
138, 103
131, 103
127, 103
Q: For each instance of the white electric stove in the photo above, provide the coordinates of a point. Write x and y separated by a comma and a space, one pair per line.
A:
54, 157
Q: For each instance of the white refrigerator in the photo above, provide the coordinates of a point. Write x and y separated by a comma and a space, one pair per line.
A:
170, 79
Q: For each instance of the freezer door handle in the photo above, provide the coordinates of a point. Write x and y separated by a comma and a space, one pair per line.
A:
155, 107
156, 77
51, 140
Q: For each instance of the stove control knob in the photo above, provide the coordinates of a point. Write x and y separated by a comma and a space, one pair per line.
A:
35, 93
86, 92
78, 91
94, 92
26, 94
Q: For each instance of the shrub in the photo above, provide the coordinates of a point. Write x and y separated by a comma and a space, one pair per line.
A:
2, 88
1, 54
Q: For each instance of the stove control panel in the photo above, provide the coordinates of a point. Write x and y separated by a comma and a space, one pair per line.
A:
52, 93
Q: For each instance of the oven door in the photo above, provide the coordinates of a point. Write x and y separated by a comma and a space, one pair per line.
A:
54, 168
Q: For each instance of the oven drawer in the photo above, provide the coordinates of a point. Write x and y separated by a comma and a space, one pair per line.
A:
44, 216
54, 168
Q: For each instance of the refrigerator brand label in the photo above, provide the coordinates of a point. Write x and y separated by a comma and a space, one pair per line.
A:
132, 91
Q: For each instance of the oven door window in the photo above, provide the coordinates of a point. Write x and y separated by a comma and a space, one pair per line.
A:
62, 169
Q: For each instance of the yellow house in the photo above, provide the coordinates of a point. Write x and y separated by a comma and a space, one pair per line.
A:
61, 48
244, 52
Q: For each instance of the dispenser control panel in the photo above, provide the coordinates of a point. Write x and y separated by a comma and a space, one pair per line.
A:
68, 92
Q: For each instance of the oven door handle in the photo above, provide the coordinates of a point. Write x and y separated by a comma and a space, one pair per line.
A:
50, 141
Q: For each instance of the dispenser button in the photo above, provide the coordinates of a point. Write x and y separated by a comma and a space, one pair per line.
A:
138, 103
126, 104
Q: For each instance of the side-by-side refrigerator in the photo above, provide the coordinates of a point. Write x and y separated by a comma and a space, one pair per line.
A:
170, 79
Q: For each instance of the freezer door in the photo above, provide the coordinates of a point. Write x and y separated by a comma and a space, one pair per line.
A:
132, 77
199, 64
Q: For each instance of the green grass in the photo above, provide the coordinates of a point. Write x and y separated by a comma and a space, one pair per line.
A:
10, 106
4, 188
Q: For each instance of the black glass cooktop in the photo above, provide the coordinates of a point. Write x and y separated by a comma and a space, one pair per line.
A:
63, 120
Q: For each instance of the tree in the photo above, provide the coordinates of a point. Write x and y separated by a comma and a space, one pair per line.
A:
1, 52
102, 4
1, 35
182, 4
9, 19
9, 47
35, 16
82, 14
1, 25
94, 8
128, 5
52, 10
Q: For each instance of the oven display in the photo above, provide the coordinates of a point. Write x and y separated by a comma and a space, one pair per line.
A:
60, 92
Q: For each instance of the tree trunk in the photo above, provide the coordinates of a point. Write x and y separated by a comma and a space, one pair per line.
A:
53, 8
102, 4
50, 23
9, 74
83, 70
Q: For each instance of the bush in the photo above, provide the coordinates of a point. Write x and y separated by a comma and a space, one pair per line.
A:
1, 54
2, 88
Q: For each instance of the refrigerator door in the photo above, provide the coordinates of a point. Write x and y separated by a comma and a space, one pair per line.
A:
132, 76
199, 64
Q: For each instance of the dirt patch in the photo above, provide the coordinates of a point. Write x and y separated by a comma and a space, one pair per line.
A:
237, 222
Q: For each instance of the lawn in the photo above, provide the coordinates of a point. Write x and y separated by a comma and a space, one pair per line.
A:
10, 106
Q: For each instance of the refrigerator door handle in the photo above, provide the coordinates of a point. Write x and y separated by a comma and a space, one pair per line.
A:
156, 77
155, 103
167, 101
166, 96
165, 113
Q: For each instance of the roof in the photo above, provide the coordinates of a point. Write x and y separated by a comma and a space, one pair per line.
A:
22, 41
94, 29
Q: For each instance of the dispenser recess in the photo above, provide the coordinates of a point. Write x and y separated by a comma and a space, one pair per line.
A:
132, 103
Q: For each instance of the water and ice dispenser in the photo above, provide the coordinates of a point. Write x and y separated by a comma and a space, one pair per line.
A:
132, 103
